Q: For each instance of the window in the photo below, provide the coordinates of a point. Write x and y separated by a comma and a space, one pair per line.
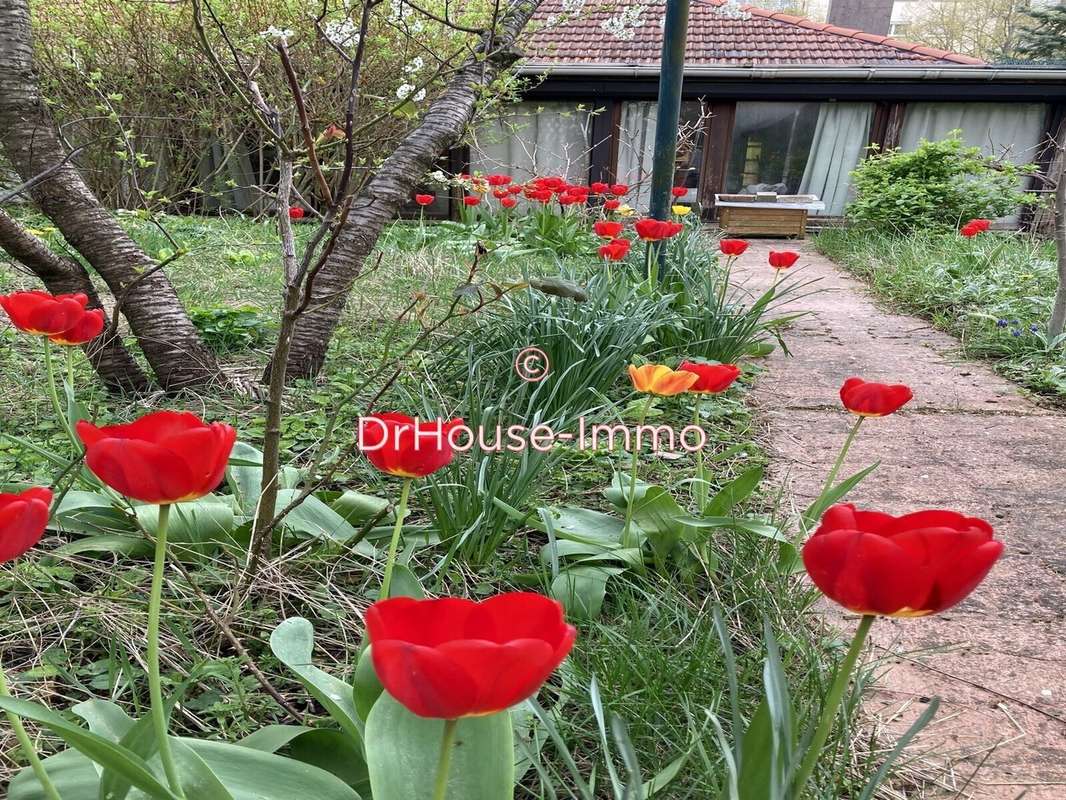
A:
798, 148
771, 144
531, 139
636, 149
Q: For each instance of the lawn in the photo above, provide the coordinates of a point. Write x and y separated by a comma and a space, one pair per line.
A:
993, 291
648, 672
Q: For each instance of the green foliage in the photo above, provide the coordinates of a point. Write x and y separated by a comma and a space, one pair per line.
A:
587, 344
229, 330
1045, 38
993, 291
936, 186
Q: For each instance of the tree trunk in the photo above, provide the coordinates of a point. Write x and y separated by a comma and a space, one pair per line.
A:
31, 143
108, 355
1058, 310
391, 186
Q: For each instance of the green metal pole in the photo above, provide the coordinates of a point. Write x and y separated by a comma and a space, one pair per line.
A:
671, 76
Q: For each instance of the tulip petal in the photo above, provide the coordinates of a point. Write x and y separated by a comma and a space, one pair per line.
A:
504, 674
427, 682
426, 622
866, 573
139, 469
22, 523
205, 451
517, 615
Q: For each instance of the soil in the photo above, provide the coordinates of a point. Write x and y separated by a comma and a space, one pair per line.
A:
969, 441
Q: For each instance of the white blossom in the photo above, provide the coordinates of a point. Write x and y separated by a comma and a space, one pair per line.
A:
420, 95
275, 33
624, 24
405, 90
415, 65
343, 32
573, 6
732, 9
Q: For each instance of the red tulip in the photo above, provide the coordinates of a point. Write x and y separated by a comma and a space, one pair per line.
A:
679, 191
552, 184
615, 250
873, 399
23, 518
714, 378
732, 247
611, 205
87, 328
508, 202
975, 227
515, 188
402, 446
783, 259
163, 457
599, 187
607, 229
470, 201
295, 212
499, 194
424, 199
498, 180
43, 314
909, 566
540, 195
655, 230
619, 189
450, 658
568, 199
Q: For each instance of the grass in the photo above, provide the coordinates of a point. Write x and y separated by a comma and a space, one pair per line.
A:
994, 292
73, 627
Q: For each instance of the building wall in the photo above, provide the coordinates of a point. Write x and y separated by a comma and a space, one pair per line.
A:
872, 16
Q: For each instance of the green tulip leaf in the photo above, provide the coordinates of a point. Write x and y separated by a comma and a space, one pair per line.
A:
358, 508
402, 751
103, 751
197, 779
367, 688
335, 752
582, 589
292, 642
734, 493
271, 738
244, 773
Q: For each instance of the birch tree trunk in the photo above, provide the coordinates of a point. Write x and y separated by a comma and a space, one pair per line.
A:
378, 203
29, 139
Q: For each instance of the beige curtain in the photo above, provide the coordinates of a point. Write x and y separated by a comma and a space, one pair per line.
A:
531, 139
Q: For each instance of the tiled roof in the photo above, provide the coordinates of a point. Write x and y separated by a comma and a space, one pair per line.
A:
763, 38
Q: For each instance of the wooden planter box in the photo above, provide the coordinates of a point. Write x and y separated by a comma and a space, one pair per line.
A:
744, 215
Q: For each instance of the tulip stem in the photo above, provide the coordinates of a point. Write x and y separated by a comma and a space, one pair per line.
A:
70, 369
401, 511
627, 537
701, 477
840, 458
832, 705
444, 762
155, 690
53, 392
27, 747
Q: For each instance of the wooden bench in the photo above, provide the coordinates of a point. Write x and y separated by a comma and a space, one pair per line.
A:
744, 215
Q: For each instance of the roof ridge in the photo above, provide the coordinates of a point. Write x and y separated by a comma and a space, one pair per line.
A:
853, 33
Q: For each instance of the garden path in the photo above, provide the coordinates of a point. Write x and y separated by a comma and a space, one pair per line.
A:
968, 441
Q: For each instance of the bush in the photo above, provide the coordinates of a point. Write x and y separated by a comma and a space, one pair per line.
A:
939, 185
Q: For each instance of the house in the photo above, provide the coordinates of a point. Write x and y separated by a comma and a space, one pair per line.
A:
771, 102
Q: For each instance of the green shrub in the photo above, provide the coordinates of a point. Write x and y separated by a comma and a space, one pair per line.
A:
939, 185
227, 330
